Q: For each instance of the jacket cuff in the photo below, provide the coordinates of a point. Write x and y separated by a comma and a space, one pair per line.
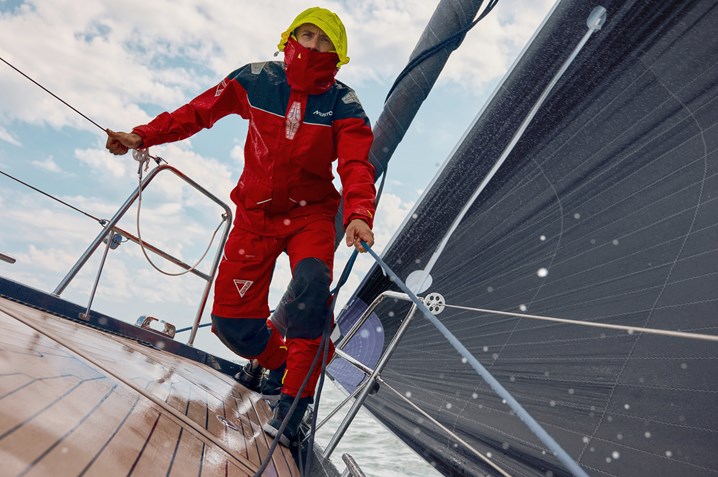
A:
368, 218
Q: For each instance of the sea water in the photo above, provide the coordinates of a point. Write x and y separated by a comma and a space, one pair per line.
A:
378, 452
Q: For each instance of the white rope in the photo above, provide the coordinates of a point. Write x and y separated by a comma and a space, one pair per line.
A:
143, 157
629, 329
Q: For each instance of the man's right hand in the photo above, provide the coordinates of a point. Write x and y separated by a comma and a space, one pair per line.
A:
119, 143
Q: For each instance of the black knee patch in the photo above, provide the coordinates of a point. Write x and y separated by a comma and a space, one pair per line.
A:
245, 336
306, 309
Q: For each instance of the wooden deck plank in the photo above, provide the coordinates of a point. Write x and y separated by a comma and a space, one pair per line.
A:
192, 392
75, 452
29, 442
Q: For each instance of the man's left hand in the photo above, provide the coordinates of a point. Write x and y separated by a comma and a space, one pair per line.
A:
358, 231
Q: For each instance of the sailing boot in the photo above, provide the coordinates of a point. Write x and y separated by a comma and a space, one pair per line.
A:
271, 385
281, 411
250, 375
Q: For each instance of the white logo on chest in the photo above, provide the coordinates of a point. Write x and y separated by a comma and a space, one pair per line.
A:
323, 115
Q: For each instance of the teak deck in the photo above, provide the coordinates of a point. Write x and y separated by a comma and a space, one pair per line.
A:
75, 401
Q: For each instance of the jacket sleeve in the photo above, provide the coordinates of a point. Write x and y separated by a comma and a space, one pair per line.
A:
353, 138
202, 112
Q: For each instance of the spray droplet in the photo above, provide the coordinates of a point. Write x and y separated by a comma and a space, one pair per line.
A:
542, 272
523, 307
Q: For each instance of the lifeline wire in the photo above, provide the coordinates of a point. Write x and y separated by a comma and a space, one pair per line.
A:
52, 94
101, 221
532, 424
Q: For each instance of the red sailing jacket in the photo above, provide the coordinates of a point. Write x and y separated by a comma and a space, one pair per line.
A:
292, 141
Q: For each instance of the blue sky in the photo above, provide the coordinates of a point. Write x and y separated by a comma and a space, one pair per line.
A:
122, 62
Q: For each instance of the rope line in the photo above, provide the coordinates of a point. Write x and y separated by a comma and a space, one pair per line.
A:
144, 160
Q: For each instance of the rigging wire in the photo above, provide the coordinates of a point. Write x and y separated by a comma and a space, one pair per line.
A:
51, 93
100, 221
456, 38
629, 329
451, 433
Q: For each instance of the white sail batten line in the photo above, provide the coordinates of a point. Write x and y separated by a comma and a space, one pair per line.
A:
629, 329
595, 21
498, 388
447, 430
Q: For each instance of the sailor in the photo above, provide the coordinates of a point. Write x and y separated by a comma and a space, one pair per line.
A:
301, 119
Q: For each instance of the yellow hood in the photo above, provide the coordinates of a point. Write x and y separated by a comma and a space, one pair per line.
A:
329, 22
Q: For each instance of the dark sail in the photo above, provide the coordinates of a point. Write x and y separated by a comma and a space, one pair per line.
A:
604, 212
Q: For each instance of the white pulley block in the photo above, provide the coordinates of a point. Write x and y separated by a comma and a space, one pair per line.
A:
435, 303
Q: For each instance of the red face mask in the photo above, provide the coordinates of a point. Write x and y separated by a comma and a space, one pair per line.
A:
309, 71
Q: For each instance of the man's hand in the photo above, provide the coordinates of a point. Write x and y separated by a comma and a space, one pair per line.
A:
119, 143
358, 230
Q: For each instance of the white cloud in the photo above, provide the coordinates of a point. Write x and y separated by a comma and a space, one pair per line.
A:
7, 137
48, 164
106, 166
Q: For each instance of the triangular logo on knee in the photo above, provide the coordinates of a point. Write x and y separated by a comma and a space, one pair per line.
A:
242, 286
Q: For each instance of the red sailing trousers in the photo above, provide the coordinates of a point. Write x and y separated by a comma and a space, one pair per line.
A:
242, 290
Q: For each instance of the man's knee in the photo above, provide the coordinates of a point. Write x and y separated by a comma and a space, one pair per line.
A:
247, 337
307, 311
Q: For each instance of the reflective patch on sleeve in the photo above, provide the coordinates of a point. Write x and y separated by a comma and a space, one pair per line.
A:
256, 68
350, 97
220, 88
